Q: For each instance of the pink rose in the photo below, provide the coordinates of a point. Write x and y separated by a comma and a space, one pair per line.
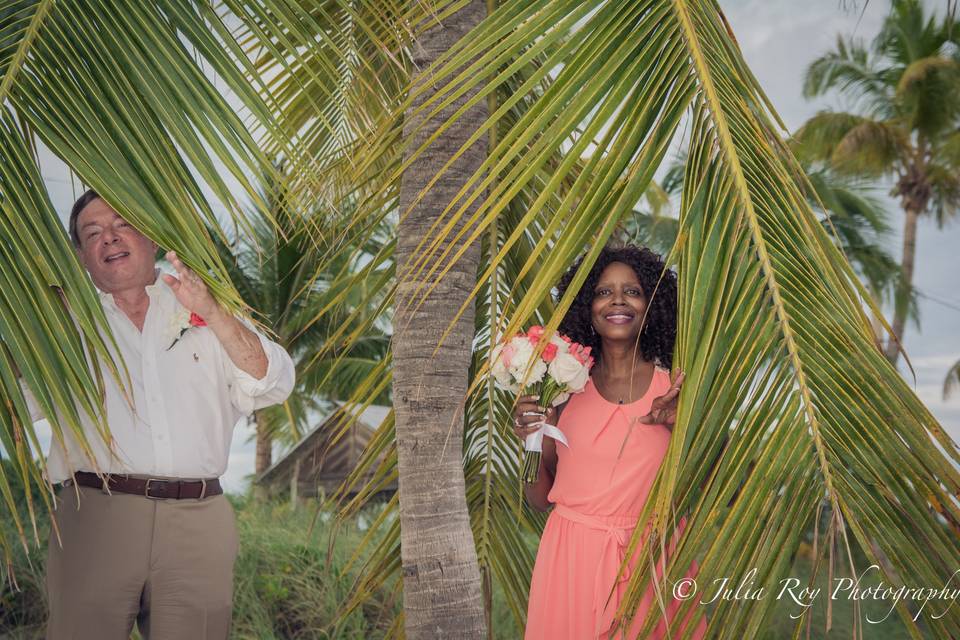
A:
534, 334
507, 354
550, 352
575, 351
581, 353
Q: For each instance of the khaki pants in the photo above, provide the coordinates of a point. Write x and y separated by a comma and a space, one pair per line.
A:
166, 564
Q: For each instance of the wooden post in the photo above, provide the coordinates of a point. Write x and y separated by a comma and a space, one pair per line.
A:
294, 484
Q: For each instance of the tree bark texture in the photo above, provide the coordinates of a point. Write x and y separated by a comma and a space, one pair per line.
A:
264, 455
442, 589
902, 303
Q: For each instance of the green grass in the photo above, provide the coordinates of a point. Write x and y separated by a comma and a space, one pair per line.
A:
289, 583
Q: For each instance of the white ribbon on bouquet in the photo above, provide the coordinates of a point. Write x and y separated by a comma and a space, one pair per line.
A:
534, 441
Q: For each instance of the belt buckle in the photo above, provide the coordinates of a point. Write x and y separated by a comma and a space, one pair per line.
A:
203, 489
146, 488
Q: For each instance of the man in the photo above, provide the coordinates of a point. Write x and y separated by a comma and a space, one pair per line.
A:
158, 543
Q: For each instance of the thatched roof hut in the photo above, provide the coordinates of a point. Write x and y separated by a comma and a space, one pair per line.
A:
316, 465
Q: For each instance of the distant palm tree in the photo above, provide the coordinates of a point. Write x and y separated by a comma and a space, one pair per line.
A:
906, 89
952, 380
279, 270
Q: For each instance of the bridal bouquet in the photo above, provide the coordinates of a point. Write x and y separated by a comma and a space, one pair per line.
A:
561, 369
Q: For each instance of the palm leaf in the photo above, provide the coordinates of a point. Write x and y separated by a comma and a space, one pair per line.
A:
120, 94
778, 350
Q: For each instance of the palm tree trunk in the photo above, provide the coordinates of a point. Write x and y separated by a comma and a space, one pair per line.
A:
902, 298
442, 589
264, 456
264, 445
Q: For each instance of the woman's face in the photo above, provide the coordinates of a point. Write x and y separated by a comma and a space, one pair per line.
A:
618, 303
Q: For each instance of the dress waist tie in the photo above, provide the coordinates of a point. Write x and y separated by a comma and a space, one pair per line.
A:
605, 580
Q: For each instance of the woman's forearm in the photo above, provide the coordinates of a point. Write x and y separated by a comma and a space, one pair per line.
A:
538, 491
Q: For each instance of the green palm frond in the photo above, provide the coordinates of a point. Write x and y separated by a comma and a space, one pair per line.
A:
850, 70
38, 337
133, 101
929, 91
904, 130
952, 380
860, 223
277, 270
946, 195
779, 354
852, 144
908, 34
787, 403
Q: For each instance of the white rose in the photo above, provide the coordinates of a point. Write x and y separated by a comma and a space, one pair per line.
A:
565, 369
499, 370
580, 380
537, 371
522, 352
562, 345
179, 320
496, 363
503, 378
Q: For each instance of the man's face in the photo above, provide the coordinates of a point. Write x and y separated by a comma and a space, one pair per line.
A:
117, 256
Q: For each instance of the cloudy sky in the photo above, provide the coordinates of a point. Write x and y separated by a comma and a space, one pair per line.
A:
779, 38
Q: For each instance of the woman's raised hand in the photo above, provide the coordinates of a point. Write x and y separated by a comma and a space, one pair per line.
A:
524, 425
663, 409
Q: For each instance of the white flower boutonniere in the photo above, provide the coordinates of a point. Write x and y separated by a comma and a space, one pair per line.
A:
181, 322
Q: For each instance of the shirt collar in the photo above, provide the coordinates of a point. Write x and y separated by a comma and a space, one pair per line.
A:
154, 290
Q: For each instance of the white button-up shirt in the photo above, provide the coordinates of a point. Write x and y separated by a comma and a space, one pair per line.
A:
186, 398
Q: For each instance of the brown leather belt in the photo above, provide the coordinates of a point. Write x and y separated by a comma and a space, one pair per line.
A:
156, 488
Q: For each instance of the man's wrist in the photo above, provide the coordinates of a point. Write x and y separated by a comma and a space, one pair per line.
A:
219, 318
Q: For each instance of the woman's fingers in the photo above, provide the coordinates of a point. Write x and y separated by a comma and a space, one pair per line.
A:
670, 395
528, 419
528, 415
531, 407
678, 380
522, 431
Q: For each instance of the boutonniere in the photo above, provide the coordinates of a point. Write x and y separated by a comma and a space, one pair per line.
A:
181, 322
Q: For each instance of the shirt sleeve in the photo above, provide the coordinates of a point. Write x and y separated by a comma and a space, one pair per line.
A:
32, 405
248, 393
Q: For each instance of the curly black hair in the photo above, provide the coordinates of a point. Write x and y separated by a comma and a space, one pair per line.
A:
660, 328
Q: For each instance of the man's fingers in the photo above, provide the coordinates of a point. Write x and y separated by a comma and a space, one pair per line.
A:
183, 270
172, 282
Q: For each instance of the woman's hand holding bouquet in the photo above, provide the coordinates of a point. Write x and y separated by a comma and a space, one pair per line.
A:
562, 368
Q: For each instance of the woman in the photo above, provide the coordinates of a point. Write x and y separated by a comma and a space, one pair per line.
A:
618, 430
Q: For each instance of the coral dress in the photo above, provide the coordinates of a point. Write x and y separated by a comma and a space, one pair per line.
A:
598, 499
